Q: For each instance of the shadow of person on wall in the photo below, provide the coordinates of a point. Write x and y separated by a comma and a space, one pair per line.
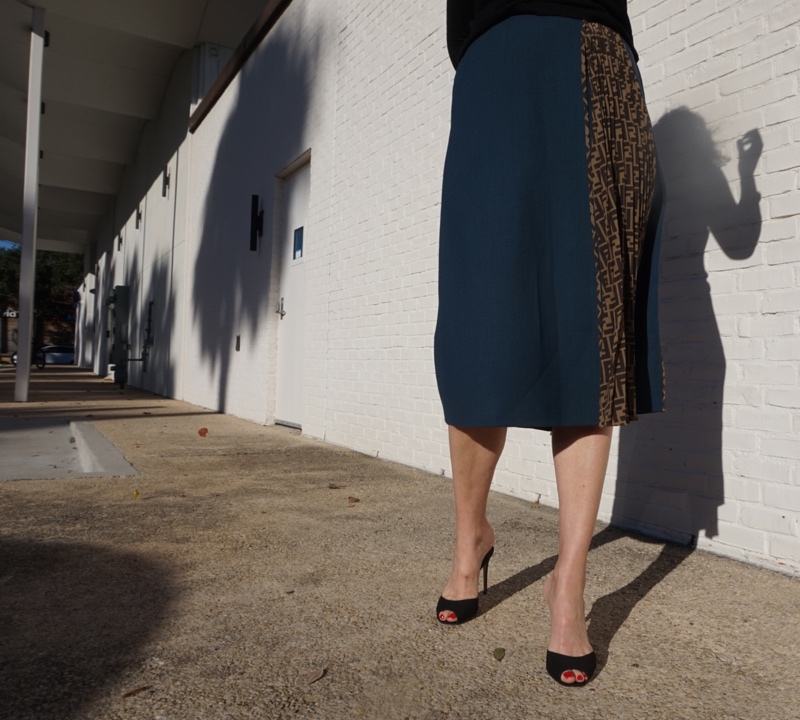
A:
670, 473
670, 480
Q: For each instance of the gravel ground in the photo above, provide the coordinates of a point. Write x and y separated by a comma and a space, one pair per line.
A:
255, 573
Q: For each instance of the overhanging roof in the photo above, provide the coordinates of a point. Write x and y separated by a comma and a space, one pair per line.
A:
105, 73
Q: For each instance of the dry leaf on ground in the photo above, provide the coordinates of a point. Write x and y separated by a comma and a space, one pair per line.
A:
316, 675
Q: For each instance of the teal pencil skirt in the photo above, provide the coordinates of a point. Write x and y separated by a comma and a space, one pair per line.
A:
550, 227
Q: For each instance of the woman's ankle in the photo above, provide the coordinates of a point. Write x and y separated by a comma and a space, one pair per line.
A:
475, 539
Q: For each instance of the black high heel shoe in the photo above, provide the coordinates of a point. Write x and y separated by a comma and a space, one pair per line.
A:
558, 664
464, 609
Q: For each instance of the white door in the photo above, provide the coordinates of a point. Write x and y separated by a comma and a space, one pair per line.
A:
291, 302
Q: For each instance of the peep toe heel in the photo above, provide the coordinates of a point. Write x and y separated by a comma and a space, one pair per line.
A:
558, 664
464, 609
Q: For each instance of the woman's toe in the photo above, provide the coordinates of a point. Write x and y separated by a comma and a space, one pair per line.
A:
573, 676
569, 677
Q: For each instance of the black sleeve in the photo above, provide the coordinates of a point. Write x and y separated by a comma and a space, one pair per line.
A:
459, 16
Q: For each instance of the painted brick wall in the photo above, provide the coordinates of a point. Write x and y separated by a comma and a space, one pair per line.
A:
366, 88
721, 80
719, 468
392, 105
148, 258
280, 106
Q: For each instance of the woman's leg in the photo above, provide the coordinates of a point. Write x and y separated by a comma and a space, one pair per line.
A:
580, 455
474, 453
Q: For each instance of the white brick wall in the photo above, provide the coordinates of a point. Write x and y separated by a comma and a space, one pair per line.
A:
278, 107
393, 85
734, 65
366, 88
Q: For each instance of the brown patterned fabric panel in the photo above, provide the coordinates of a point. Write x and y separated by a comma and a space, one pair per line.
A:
622, 171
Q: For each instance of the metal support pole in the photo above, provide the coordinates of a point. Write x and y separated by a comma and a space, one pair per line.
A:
27, 270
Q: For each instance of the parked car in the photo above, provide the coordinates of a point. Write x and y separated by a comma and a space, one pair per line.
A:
55, 355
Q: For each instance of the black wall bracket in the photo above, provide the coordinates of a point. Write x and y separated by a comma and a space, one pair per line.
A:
256, 222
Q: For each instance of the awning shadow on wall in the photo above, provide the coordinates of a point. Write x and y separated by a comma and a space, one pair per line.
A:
670, 478
265, 131
72, 617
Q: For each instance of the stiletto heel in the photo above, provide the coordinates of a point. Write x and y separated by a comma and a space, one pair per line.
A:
464, 609
558, 664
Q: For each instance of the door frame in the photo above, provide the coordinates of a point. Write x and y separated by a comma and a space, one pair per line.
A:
278, 216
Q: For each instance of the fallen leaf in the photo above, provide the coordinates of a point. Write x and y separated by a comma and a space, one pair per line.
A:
317, 675
202, 432
136, 495
138, 690
499, 653
334, 486
352, 499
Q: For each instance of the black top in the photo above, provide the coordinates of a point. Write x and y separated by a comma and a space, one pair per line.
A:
467, 19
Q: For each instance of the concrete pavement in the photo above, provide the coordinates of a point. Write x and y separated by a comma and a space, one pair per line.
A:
250, 572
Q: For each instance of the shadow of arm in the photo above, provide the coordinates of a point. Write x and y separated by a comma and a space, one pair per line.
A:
737, 226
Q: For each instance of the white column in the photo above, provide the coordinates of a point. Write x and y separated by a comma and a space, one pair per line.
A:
27, 270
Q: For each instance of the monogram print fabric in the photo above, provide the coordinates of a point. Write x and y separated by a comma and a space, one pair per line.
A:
622, 172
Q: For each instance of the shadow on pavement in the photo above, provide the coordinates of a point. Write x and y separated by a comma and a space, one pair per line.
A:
72, 617
609, 612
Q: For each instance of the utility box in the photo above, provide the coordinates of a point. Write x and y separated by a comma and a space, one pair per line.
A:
119, 307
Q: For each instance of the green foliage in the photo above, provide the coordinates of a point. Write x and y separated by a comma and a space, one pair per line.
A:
9, 278
57, 276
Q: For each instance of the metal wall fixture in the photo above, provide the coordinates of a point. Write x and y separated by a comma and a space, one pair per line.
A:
138, 216
119, 242
256, 222
165, 182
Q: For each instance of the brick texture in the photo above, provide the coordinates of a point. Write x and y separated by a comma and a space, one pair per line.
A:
365, 87
730, 68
